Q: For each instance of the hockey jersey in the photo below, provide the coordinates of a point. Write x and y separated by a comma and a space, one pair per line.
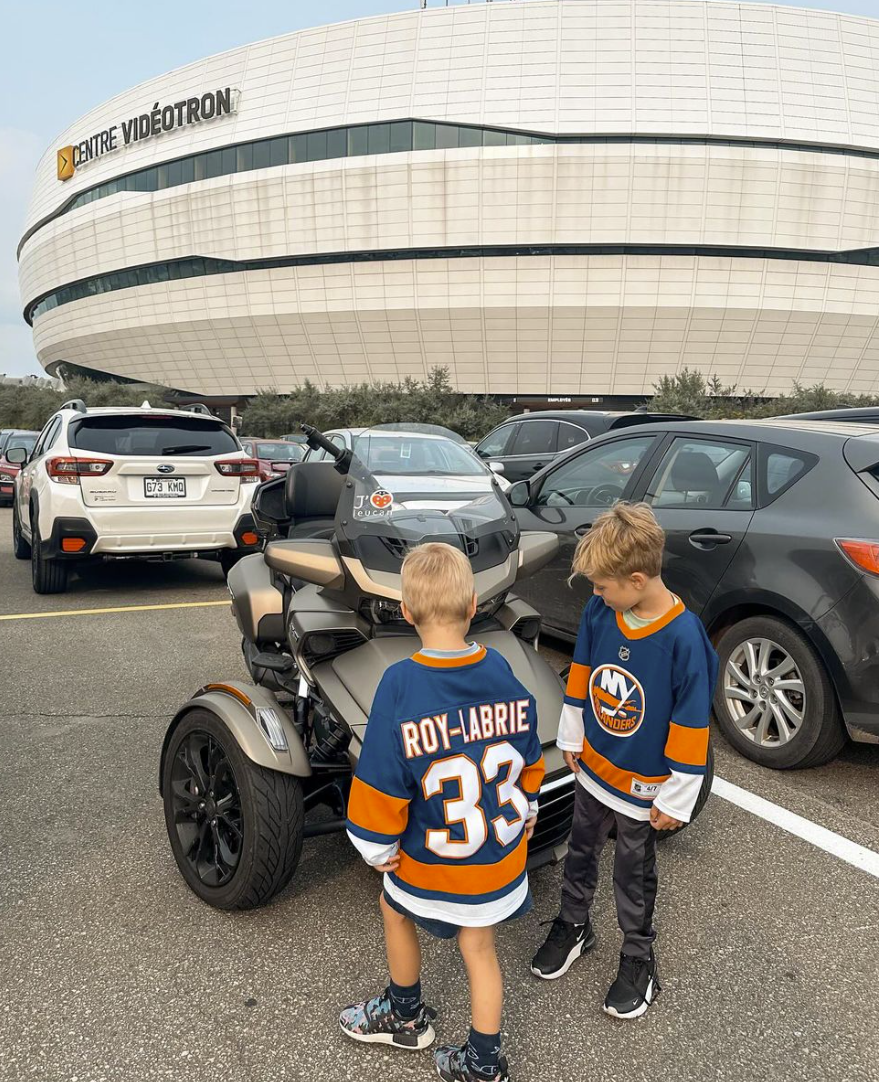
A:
449, 772
636, 709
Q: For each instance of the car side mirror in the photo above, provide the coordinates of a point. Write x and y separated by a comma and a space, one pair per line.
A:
17, 455
497, 467
519, 494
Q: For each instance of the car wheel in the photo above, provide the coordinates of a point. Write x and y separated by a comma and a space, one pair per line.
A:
20, 546
774, 701
47, 576
235, 828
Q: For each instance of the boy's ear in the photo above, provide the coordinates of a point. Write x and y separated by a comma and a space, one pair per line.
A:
407, 615
473, 606
638, 579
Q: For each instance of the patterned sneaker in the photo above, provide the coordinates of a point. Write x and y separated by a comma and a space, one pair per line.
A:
375, 1023
452, 1066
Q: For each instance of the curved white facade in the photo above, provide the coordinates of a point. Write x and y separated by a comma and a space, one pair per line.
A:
770, 306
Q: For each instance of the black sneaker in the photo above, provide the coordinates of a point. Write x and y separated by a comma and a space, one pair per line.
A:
564, 945
451, 1066
636, 987
375, 1022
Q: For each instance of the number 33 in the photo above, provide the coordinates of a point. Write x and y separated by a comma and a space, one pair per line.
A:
466, 808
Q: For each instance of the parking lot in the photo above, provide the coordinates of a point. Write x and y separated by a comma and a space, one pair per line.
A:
110, 968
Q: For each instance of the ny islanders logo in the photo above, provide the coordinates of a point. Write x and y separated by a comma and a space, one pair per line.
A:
617, 700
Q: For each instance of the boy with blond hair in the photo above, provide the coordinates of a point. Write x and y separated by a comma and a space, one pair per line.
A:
634, 730
443, 803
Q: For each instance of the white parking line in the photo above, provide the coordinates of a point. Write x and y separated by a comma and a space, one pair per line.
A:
852, 853
119, 608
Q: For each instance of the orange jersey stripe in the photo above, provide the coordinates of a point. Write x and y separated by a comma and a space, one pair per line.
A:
374, 810
578, 681
656, 625
687, 745
532, 776
613, 775
464, 878
450, 662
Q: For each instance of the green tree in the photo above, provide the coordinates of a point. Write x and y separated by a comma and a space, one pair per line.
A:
431, 401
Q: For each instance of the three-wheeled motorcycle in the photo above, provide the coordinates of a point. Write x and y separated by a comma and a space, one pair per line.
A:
243, 764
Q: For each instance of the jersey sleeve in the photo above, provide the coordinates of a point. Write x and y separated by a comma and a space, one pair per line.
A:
686, 748
534, 770
383, 786
571, 732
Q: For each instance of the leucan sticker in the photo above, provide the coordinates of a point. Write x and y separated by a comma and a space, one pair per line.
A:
377, 505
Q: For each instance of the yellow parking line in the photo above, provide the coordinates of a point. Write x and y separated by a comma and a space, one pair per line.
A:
120, 608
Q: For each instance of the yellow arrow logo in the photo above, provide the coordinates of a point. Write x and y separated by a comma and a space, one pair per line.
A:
65, 163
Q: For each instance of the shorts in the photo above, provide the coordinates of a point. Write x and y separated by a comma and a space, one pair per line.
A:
442, 929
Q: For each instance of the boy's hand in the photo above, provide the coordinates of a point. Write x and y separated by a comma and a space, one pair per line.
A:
660, 821
529, 826
391, 865
571, 760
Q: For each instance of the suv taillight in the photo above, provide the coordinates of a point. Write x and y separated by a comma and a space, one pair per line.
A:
863, 554
245, 469
68, 471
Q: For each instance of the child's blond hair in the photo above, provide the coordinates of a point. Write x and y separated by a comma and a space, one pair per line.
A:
437, 584
623, 540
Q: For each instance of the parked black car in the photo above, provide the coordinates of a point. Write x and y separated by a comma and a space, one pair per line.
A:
529, 441
773, 540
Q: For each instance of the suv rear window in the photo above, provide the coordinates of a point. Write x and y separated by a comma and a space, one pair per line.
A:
130, 434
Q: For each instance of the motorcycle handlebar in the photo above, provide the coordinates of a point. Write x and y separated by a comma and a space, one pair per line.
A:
318, 441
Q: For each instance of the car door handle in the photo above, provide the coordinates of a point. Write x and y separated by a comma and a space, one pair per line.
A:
703, 538
583, 529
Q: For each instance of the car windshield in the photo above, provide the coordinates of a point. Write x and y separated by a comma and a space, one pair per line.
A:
136, 434
391, 500
279, 452
389, 451
25, 441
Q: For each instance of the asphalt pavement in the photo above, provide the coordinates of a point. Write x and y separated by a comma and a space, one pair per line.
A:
111, 969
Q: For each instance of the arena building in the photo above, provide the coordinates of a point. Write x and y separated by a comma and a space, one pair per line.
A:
552, 198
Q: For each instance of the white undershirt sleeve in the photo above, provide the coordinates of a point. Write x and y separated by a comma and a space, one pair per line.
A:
373, 853
678, 794
570, 736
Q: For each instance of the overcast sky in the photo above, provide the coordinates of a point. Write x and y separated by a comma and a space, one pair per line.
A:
59, 59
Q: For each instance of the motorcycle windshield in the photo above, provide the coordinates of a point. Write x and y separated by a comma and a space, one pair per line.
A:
410, 484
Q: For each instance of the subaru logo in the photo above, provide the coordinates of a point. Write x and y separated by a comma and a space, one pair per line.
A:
165, 467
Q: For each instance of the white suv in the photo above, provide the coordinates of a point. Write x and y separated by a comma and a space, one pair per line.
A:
118, 483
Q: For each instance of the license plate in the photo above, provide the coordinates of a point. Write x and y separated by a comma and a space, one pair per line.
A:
164, 488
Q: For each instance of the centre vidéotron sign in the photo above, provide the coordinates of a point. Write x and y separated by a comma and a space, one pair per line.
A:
210, 106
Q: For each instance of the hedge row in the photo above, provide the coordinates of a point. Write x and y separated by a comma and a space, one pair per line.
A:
431, 401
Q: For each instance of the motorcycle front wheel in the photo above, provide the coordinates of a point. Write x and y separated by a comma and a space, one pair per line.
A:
235, 828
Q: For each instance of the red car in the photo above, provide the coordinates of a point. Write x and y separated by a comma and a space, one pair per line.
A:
10, 470
274, 456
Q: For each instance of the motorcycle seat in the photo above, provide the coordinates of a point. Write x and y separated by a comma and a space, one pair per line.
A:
311, 493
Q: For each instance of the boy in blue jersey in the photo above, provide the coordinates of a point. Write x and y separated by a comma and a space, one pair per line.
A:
443, 803
634, 730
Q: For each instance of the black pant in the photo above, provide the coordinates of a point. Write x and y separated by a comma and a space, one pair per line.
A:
634, 870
